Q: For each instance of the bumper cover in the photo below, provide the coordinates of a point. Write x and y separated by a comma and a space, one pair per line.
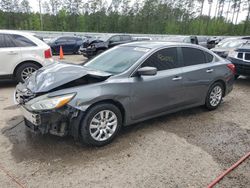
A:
62, 122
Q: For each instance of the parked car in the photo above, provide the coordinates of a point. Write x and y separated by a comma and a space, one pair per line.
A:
88, 40
69, 44
241, 59
203, 41
228, 46
21, 54
213, 41
122, 86
100, 45
185, 39
142, 38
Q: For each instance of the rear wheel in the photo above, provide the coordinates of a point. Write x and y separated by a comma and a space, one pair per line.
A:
24, 71
101, 124
214, 96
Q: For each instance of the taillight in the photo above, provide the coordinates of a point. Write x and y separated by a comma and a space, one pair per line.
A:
232, 68
47, 53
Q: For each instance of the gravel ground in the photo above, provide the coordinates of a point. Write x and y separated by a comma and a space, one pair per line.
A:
185, 149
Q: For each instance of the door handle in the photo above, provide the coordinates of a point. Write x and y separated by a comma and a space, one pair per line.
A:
177, 78
12, 53
209, 70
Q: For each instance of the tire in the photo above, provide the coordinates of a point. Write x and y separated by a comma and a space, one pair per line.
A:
214, 96
93, 130
28, 67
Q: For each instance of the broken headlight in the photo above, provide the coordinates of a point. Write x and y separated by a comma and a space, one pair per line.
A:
53, 102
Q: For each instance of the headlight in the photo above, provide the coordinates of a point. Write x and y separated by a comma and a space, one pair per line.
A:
232, 54
53, 102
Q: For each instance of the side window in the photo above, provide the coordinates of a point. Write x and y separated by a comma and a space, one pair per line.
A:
193, 56
125, 38
163, 59
62, 39
9, 41
115, 39
22, 41
209, 57
2, 41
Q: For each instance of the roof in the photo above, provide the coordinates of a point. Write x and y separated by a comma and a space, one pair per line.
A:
15, 32
155, 45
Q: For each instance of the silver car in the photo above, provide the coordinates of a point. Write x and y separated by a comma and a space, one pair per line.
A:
127, 84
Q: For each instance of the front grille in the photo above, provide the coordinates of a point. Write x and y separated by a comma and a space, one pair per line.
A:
242, 69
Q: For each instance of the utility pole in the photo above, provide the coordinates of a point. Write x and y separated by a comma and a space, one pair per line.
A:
41, 16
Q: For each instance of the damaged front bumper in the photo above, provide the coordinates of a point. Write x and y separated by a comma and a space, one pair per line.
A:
60, 122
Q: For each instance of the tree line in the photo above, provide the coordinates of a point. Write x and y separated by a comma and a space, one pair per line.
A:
128, 16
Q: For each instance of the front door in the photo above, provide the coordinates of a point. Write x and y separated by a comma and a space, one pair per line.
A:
159, 93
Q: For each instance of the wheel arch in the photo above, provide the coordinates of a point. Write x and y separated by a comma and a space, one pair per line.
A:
24, 62
223, 84
115, 103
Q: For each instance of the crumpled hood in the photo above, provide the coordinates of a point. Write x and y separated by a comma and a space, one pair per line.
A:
55, 75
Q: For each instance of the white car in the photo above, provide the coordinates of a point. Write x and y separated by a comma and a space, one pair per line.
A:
22, 54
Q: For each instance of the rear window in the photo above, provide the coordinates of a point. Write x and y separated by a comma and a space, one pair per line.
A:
22, 41
193, 56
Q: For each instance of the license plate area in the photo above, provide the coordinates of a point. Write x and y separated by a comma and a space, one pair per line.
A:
31, 117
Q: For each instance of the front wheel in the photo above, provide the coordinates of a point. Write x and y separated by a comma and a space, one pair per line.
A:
101, 124
214, 96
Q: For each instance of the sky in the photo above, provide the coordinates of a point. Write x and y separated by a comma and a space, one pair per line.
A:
242, 16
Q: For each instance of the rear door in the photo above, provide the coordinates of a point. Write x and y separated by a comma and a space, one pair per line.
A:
198, 73
153, 95
9, 53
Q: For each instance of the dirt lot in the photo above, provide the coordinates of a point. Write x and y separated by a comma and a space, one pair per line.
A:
185, 149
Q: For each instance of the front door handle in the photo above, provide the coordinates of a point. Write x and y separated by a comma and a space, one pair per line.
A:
177, 78
209, 70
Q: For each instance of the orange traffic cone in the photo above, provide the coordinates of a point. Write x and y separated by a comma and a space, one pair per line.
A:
61, 53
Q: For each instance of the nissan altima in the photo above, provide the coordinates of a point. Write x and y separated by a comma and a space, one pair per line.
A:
127, 84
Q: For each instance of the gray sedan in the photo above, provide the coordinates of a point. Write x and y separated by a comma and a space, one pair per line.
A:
127, 84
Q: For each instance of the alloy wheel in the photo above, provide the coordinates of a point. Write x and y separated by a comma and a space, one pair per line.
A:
103, 125
26, 73
215, 96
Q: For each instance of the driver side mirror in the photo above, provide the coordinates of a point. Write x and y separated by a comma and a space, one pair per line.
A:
147, 71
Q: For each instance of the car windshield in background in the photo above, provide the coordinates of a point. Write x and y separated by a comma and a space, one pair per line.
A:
117, 60
232, 44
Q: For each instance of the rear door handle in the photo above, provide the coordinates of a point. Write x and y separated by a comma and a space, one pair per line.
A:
12, 53
209, 70
177, 78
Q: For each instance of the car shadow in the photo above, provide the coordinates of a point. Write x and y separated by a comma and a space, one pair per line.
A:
7, 83
28, 146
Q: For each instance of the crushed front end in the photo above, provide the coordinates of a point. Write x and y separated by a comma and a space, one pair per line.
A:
60, 119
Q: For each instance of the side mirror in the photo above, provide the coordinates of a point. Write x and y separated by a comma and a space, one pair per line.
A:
147, 71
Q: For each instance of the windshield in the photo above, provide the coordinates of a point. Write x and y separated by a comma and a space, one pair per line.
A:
232, 44
117, 60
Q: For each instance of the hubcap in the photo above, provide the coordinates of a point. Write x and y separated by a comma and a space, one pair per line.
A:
215, 96
103, 125
26, 73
